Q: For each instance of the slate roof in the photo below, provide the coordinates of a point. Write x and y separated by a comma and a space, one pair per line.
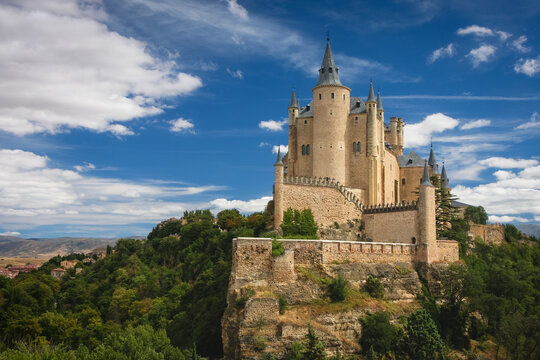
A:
371, 95
358, 106
425, 178
379, 101
459, 204
294, 100
411, 160
328, 73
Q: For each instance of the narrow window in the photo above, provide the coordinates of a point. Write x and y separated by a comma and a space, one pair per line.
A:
332, 95
403, 181
320, 96
305, 122
303, 149
329, 70
354, 147
331, 112
358, 148
307, 149
343, 97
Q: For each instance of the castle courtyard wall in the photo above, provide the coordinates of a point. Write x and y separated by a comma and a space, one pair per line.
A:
392, 226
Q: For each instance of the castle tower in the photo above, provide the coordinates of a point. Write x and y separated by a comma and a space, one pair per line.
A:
444, 178
432, 162
331, 104
427, 245
400, 130
373, 149
294, 107
278, 190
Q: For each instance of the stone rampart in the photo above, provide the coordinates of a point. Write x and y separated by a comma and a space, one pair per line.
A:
490, 233
447, 251
395, 224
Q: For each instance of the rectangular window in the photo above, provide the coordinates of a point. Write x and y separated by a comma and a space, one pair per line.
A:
403, 181
332, 95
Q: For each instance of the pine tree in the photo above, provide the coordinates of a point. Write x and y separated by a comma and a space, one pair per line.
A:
314, 347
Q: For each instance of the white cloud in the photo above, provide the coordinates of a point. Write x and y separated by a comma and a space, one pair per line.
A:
31, 188
10, 233
482, 54
272, 125
475, 124
243, 206
503, 35
445, 51
284, 149
182, 125
506, 219
237, 9
511, 194
53, 81
529, 67
533, 123
238, 74
263, 144
85, 167
518, 44
475, 30
420, 133
508, 163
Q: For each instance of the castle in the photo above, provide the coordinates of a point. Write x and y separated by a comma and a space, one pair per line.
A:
347, 165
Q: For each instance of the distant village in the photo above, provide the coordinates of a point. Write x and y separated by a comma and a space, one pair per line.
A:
12, 271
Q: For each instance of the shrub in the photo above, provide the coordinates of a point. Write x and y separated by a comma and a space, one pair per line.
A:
259, 342
378, 334
299, 224
337, 289
314, 348
422, 340
374, 287
476, 214
240, 302
277, 248
283, 304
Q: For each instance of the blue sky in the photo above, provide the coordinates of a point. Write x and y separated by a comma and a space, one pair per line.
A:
115, 115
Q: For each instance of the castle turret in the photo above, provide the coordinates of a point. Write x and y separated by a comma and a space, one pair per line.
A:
331, 104
444, 178
373, 148
380, 127
427, 245
294, 107
400, 130
432, 162
278, 190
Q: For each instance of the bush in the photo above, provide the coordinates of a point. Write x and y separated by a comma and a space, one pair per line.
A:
283, 304
378, 335
374, 287
259, 342
277, 248
337, 289
422, 340
476, 214
299, 224
240, 302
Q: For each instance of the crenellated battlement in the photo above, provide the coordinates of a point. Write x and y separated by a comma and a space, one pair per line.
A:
405, 206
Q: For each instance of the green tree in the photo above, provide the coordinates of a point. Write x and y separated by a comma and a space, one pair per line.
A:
337, 289
314, 348
299, 224
476, 214
230, 219
374, 287
378, 334
421, 340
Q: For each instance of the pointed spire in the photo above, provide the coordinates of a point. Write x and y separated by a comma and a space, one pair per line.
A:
425, 178
293, 99
444, 178
371, 96
328, 73
298, 102
432, 162
278, 161
379, 101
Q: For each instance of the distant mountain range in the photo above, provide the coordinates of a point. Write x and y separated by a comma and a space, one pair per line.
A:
13, 246
529, 229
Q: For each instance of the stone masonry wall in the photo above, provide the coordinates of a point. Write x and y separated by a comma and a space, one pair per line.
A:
394, 227
327, 204
447, 251
491, 233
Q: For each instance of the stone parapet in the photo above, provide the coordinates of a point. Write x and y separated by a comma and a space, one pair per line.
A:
405, 206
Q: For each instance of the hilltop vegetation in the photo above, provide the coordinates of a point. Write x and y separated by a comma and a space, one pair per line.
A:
163, 298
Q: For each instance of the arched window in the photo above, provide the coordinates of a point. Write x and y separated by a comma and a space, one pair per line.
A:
303, 149
354, 147
307, 149
358, 147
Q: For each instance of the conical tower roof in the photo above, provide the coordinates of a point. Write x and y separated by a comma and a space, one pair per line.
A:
425, 178
278, 161
328, 73
294, 101
371, 95
444, 178
379, 101
433, 162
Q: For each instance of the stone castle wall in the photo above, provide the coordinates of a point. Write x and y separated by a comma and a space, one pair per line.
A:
392, 226
447, 251
490, 233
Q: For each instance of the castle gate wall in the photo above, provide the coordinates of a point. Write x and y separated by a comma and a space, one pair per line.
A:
393, 227
327, 204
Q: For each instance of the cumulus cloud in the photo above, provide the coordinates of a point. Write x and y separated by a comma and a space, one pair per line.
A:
482, 54
475, 30
508, 163
475, 124
238, 74
511, 194
263, 144
52, 80
237, 9
533, 123
284, 149
529, 67
31, 188
518, 44
420, 133
10, 233
506, 219
248, 206
272, 125
85, 167
503, 35
445, 51
182, 125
